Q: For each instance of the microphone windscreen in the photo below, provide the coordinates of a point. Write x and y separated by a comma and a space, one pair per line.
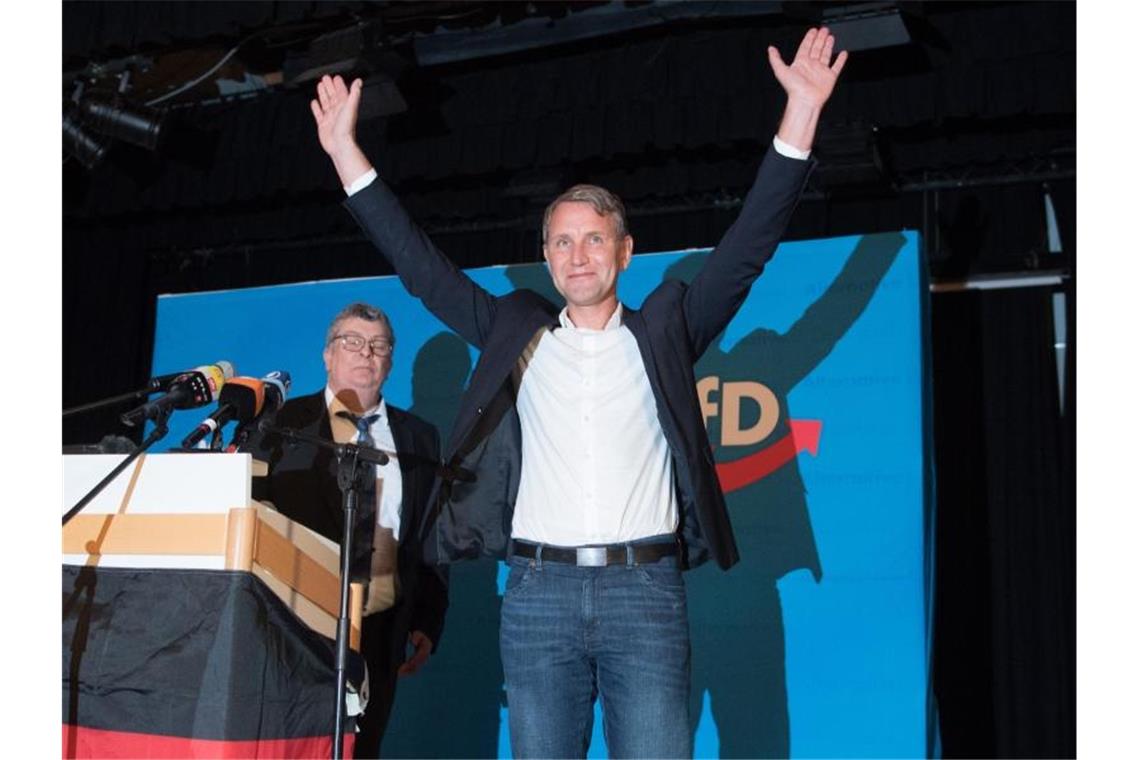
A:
215, 379
277, 385
246, 395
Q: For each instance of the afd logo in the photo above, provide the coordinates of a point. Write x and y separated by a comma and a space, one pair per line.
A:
723, 400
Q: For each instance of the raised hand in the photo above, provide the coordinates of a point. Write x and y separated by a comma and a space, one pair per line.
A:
334, 110
812, 75
808, 83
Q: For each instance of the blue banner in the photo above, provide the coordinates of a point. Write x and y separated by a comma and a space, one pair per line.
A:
815, 398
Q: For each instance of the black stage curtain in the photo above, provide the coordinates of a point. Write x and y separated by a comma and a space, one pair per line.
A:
1005, 615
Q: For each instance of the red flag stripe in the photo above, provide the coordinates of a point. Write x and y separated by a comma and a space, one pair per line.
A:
79, 741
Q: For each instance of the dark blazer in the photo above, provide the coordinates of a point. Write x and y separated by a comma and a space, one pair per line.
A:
302, 485
472, 516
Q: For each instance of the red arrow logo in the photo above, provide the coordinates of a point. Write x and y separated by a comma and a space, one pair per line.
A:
803, 436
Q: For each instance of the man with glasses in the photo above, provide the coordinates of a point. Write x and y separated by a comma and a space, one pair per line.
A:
593, 471
406, 599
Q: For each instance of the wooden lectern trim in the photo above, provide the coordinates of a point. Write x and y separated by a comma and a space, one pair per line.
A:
95, 535
308, 612
241, 527
277, 556
296, 569
323, 551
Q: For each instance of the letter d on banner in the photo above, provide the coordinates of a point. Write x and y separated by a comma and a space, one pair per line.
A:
730, 432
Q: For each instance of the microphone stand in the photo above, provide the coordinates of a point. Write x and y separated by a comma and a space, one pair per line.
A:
154, 385
348, 455
241, 435
160, 429
112, 401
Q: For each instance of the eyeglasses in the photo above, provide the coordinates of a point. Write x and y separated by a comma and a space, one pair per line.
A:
356, 343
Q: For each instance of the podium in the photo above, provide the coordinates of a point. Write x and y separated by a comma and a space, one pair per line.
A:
196, 622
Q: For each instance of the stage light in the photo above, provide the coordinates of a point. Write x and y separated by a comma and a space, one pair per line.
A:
136, 125
849, 156
866, 30
85, 148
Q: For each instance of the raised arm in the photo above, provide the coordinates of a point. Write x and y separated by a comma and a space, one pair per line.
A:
448, 293
808, 83
718, 290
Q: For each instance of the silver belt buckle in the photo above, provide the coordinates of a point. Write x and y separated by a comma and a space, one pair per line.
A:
591, 556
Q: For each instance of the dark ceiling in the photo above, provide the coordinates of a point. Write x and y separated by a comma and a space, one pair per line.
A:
477, 104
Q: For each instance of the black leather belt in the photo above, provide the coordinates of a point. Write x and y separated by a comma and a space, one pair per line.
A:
595, 556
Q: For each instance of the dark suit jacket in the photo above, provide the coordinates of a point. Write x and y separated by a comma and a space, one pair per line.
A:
302, 485
676, 323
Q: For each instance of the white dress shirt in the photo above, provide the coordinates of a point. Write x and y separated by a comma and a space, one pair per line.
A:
595, 465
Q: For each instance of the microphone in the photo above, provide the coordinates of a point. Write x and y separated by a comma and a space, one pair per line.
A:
161, 383
241, 398
198, 387
276, 386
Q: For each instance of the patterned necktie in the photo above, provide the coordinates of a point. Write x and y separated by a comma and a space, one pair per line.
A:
364, 426
366, 505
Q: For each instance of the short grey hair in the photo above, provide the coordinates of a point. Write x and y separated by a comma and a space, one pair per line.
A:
364, 311
600, 199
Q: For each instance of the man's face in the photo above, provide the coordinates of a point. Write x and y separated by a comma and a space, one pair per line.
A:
361, 372
585, 253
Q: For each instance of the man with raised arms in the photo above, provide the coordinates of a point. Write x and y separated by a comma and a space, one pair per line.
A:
579, 451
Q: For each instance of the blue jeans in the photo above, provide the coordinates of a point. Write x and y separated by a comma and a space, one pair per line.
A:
571, 634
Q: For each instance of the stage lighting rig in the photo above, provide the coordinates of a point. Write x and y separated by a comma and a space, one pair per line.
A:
133, 124
83, 147
90, 113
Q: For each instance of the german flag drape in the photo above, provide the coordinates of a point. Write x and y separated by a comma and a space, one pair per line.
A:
165, 663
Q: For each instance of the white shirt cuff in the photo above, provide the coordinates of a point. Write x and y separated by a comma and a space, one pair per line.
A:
784, 150
361, 182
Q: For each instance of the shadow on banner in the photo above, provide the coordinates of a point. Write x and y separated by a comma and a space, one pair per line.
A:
736, 618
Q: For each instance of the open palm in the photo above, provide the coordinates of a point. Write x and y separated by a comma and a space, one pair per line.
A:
811, 76
335, 109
